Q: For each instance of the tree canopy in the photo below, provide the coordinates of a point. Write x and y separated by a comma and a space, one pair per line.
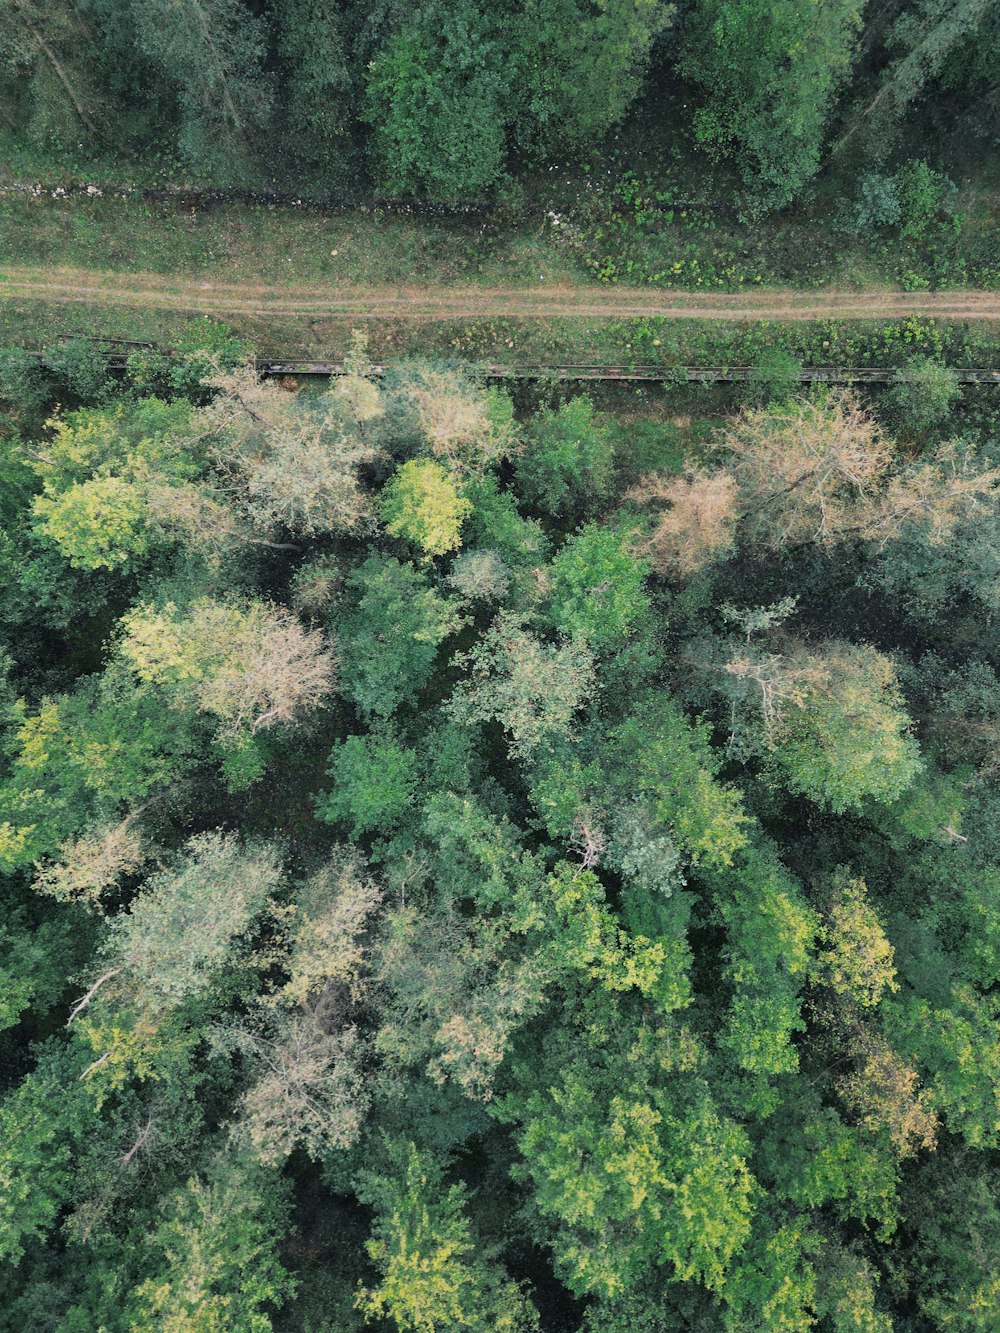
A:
455, 880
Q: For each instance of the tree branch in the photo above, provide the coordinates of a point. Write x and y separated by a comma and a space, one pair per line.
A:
113, 972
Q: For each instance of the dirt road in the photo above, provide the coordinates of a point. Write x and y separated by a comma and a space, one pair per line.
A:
200, 296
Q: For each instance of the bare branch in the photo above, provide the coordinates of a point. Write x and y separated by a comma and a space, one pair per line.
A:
112, 972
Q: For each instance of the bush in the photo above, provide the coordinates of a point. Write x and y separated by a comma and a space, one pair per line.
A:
775, 377
81, 368
924, 396
24, 388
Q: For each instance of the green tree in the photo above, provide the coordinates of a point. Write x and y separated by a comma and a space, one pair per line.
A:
374, 784
80, 369
573, 930
629, 1170
213, 1257
581, 70
44, 1119
96, 524
496, 524
37, 955
318, 82
659, 757
596, 589
769, 74
856, 960
80, 759
23, 386
431, 1277
532, 689
771, 931
808, 1158
850, 739
391, 634
48, 48
98, 473
925, 395
956, 1222
567, 468
775, 376
922, 37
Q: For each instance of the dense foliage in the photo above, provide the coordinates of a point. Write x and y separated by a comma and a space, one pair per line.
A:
457, 876
445, 99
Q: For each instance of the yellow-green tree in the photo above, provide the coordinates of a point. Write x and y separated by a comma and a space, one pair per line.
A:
424, 506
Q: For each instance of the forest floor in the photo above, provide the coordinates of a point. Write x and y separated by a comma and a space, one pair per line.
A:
203, 296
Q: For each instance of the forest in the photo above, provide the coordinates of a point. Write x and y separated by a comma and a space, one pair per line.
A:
496, 863
456, 100
512, 855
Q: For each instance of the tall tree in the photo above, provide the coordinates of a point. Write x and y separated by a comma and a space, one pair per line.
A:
436, 101
921, 40
212, 53
582, 66
769, 74
45, 44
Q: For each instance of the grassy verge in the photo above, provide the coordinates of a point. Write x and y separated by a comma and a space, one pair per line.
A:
33, 323
268, 244
622, 231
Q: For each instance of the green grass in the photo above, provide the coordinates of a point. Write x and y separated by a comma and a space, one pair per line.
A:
623, 231
261, 244
656, 341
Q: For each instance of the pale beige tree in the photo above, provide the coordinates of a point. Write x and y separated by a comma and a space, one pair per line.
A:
362, 398
823, 471
777, 682
356, 387
310, 1091
884, 1092
803, 469
85, 868
244, 408
935, 495
307, 480
182, 926
199, 518
694, 523
468, 427
250, 664
179, 932
334, 909
451, 998
291, 461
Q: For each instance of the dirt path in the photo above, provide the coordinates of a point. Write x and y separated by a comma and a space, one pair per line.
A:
202, 296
